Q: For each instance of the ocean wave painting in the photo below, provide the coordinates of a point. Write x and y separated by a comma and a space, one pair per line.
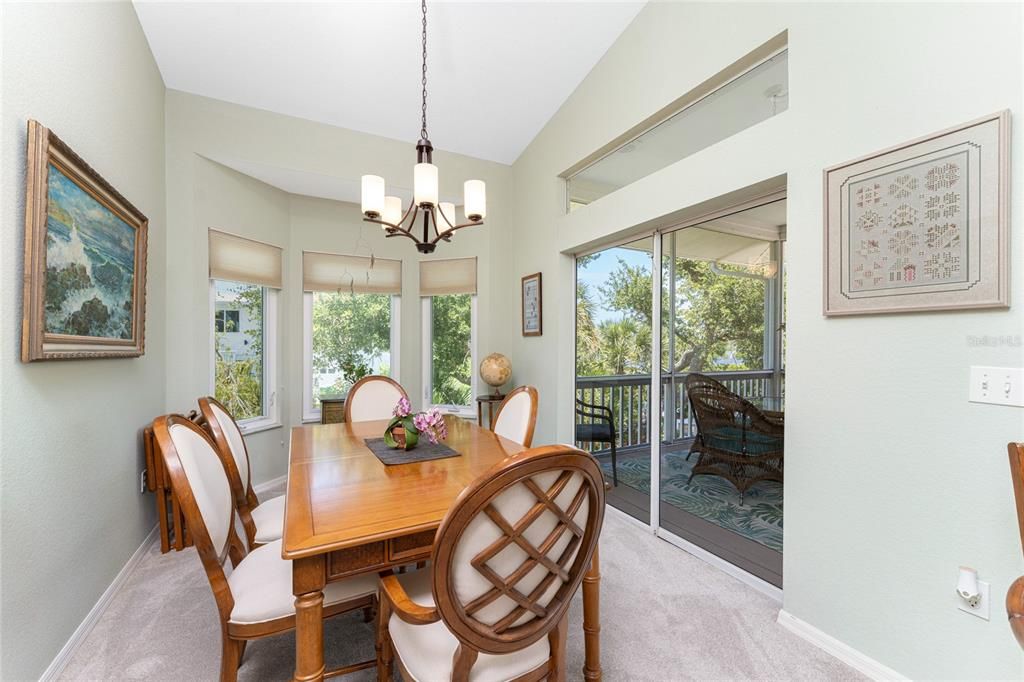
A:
90, 261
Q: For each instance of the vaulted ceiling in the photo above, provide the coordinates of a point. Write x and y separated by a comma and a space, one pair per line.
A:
497, 71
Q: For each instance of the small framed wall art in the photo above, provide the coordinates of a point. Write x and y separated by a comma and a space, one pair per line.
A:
533, 308
85, 259
921, 226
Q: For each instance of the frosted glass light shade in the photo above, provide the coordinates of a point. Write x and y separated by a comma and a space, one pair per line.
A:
424, 183
392, 210
475, 199
373, 195
444, 214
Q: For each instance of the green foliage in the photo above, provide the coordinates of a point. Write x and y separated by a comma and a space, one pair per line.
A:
239, 383
349, 331
716, 317
450, 349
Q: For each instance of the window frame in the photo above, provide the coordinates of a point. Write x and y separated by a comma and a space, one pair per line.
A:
271, 417
426, 316
311, 414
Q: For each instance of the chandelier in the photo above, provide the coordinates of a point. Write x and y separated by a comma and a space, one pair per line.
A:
438, 217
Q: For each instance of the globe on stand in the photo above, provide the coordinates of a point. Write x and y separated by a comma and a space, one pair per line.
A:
496, 370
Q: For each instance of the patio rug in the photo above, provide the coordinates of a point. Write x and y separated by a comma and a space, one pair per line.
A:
712, 498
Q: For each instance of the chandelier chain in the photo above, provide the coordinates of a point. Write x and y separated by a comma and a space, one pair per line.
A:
423, 128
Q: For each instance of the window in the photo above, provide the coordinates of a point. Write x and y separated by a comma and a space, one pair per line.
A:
226, 321
758, 92
243, 323
448, 288
350, 321
245, 276
348, 336
450, 350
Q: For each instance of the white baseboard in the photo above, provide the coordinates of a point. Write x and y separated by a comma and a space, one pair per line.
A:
269, 485
85, 627
844, 652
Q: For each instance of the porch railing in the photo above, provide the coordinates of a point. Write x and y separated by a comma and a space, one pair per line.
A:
629, 399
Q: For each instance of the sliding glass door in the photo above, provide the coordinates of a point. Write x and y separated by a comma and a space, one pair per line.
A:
721, 446
695, 449
613, 368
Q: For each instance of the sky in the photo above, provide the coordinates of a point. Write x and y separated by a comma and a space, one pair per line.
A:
597, 271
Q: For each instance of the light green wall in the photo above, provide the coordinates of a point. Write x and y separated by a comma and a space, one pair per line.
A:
203, 194
70, 431
892, 478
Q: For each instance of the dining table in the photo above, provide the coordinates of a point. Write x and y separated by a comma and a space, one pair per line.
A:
347, 514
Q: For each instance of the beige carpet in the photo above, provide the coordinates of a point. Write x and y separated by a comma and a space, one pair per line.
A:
665, 616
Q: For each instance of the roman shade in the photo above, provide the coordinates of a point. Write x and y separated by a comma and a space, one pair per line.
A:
355, 274
451, 276
238, 259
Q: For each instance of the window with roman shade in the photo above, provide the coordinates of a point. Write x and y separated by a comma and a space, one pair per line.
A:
237, 259
351, 323
355, 274
449, 276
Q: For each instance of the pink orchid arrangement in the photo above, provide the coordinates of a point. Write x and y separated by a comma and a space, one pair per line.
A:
430, 423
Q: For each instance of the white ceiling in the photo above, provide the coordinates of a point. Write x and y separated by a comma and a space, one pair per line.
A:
497, 71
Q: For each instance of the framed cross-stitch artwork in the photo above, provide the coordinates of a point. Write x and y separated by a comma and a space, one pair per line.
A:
85, 259
533, 317
921, 226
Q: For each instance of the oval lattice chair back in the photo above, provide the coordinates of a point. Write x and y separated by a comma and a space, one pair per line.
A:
373, 397
514, 548
517, 416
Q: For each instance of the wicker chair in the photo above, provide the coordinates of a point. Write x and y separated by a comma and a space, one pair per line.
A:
735, 439
599, 429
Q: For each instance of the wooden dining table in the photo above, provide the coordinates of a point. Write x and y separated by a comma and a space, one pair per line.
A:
347, 513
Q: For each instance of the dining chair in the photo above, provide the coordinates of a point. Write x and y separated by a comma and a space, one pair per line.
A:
507, 559
263, 521
1015, 595
517, 416
253, 590
373, 397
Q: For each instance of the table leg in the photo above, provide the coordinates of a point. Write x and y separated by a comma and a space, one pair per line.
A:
308, 580
592, 620
480, 413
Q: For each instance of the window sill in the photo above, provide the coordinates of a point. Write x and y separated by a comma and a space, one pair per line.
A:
258, 425
460, 412
310, 419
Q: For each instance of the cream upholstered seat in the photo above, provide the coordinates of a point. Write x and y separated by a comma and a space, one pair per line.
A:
268, 517
262, 587
517, 416
428, 651
507, 559
373, 397
253, 591
263, 521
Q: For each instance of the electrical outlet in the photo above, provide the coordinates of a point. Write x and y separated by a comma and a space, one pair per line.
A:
142, 480
997, 386
982, 608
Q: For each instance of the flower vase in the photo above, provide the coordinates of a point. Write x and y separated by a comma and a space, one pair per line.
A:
401, 434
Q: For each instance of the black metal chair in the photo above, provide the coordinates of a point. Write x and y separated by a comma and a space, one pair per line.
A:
600, 429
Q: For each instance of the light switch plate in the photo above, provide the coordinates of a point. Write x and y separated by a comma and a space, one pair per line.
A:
997, 386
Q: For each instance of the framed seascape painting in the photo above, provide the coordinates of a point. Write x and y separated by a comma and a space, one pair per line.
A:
85, 259
921, 226
533, 316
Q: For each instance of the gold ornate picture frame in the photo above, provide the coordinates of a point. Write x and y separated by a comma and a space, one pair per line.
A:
84, 291
921, 226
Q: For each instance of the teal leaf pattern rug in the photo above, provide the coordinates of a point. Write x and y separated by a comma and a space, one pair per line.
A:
710, 497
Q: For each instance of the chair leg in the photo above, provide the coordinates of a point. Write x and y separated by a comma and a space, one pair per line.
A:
557, 640
615, 469
230, 657
384, 652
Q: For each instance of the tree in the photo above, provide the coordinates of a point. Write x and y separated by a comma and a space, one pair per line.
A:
238, 383
451, 378
350, 332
